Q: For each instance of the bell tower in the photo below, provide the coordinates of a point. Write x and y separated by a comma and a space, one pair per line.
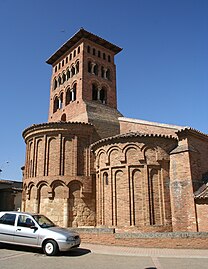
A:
83, 83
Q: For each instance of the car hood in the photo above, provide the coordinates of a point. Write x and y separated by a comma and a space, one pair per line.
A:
63, 231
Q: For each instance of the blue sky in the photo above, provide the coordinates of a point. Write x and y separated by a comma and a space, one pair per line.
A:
162, 72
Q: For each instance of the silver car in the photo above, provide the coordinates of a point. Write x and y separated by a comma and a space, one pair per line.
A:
36, 230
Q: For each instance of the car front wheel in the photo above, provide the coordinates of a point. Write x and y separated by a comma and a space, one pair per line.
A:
50, 248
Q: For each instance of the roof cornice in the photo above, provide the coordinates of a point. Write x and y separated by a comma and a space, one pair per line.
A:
82, 33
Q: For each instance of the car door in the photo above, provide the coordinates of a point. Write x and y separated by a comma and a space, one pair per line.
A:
26, 232
7, 227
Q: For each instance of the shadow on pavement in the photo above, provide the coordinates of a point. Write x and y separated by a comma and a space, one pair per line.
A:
75, 252
71, 253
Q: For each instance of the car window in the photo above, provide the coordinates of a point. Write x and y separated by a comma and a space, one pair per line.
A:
25, 221
8, 219
43, 221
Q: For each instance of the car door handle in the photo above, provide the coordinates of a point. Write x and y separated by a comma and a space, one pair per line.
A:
18, 230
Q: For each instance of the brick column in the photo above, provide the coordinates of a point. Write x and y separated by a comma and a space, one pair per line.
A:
181, 189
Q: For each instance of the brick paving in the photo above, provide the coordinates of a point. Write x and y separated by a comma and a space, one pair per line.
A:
151, 252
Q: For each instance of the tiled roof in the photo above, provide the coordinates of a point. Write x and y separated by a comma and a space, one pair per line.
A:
202, 192
53, 124
192, 131
82, 33
132, 134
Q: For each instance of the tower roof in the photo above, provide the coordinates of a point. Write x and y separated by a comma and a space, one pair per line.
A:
82, 33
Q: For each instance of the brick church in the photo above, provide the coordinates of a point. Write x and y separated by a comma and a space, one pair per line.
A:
91, 166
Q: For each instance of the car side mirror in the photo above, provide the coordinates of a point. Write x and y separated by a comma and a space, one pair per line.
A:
34, 228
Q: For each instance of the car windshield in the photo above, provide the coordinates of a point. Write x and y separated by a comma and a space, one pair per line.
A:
43, 221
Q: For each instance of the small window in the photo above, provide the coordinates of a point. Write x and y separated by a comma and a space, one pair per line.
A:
62, 63
67, 59
99, 53
78, 51
59, 66
93, 51
104, 56
56, 68
109, 58
8, 219
70, 56
88, 49
75, 53
63, 117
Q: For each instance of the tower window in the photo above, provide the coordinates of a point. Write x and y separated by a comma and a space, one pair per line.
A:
96, 69
108, 74
103, 95
55, 104
59, 80
68, 74
73, 70
77, 67
94, 92
89, 67
55, 84
64, 77
63, 117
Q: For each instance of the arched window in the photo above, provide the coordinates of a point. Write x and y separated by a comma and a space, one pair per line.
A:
74, 53
74, 91
94, 92
63, 117
78, 51
55, 104
62, 63
68, 74
73, 70
55, 84
63, 77
61, 101
96, 70
59, 80
89, 67
102, 72
77, 67
68, 96
108, 74
103, 95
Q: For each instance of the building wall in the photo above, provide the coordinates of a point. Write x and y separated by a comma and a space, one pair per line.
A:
128, 125
132, 187
58, 176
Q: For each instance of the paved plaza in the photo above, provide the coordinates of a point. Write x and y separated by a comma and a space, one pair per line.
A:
92, 256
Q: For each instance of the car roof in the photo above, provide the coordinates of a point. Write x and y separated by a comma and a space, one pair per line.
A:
18, 212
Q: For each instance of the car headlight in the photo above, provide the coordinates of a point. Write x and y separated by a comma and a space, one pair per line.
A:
70, 238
